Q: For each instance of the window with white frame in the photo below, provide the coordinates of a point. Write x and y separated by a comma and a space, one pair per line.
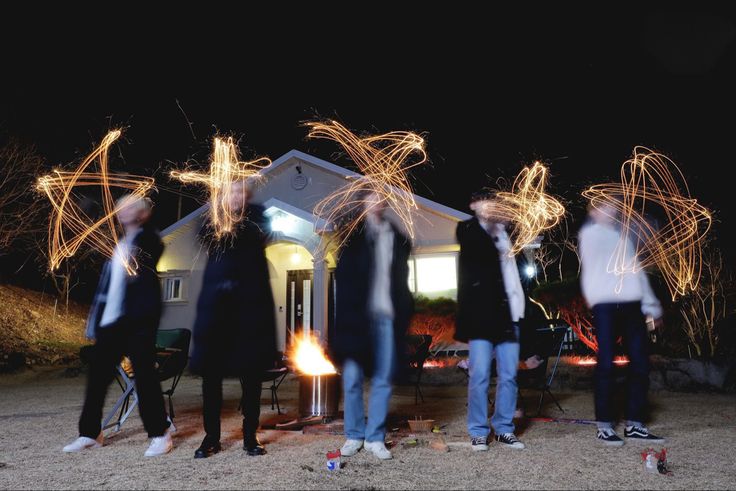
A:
433, 275
173, 289
412, 277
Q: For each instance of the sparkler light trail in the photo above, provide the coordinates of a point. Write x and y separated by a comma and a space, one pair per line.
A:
384, 161
69, 225
651, 180
527, 207
225, 170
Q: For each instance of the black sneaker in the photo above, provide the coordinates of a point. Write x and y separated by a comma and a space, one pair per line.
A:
509, 440
479, 443
609, 437
641, 433
208, 448
253, 446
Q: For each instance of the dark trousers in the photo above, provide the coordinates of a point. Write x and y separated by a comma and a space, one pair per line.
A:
140, 346
621, 319
212, 404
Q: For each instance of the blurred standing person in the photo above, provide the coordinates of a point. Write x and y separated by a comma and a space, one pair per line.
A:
123, 320
490, 305
619, 304
235, 328
374, 307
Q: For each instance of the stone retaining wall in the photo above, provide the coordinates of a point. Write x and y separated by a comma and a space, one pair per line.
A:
666, 374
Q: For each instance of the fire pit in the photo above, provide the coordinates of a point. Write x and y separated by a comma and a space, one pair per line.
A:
319, 384
319, 395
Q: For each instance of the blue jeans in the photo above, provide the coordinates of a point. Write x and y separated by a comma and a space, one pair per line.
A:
612, 320
382, 334
507, 362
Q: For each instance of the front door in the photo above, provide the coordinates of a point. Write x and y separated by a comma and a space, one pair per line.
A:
299, 295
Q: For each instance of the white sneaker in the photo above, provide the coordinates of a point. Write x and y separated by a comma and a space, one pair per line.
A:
351, 447
83, 443
160, 445
379, 450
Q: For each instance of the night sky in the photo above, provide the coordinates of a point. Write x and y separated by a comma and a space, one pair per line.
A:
577, 89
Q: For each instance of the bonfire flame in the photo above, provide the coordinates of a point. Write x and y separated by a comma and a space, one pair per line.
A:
309, 357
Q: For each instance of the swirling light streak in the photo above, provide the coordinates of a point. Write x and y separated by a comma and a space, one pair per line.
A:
69, 225
225, 170
651, 179
527, 207
384, 161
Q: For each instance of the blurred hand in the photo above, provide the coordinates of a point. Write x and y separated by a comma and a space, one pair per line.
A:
653, 324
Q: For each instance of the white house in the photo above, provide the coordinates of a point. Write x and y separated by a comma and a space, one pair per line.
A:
300, 280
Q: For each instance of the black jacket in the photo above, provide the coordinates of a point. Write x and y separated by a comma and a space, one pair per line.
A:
235, 329
483, 306
350, 337
142, 300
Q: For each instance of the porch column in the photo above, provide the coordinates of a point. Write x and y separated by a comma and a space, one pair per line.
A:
319, 303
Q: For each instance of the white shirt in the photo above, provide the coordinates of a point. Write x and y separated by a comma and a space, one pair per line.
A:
116, 288
379, 302
599, 283
509, 269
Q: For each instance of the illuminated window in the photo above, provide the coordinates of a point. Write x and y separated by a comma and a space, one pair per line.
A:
173, 289
435, 275
412, 277
283, 222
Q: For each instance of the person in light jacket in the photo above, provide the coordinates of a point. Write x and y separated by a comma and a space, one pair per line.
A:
619, 303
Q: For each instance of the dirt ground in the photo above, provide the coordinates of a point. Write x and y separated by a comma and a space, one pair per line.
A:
43, 329
39, 410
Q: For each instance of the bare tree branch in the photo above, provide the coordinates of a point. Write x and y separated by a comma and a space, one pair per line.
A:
21, 208
703, 309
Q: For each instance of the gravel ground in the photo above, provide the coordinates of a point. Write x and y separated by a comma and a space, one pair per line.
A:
39, 410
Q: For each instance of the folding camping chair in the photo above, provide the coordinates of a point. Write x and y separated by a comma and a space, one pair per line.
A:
123, 406
172, 356
547, 342
418, 353
275, 375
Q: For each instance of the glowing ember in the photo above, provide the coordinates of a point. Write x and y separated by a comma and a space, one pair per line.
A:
586, 361
69, 225
309, 357
439, 363
589, 361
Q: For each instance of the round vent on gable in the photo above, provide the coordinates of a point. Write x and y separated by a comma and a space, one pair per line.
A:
299, 181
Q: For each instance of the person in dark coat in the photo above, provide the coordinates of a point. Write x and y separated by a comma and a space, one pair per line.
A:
123, 320
373, 310
490, 306
235, 329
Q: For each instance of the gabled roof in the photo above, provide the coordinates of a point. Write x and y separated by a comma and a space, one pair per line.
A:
330, 167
